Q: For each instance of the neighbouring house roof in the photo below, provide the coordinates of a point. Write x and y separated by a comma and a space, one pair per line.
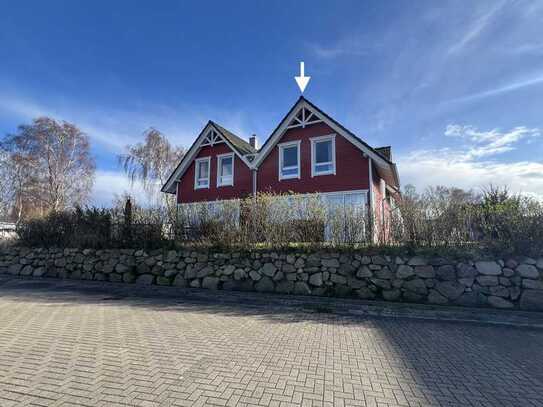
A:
385, 152
242, 146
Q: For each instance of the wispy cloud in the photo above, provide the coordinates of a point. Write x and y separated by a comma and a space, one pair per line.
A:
471, 165
512, 86
352, 45
531, 48
114, 128
101, 129
476, 28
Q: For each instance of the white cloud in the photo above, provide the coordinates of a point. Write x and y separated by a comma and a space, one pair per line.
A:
109, 184
471, 166
486, 143
425, 168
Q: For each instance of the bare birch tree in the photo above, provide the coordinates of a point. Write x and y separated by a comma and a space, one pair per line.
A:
51, 166
151, 163
5, 186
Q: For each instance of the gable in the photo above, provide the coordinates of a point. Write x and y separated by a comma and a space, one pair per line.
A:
211, 135
350, 167
303, 114
304, 117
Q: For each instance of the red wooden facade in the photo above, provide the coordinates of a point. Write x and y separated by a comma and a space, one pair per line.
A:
186, 191
358, 167
351, 167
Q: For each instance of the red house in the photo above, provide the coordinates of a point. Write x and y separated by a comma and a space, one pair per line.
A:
309, 152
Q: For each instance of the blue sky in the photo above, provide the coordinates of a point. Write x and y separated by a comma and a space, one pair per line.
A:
455, 87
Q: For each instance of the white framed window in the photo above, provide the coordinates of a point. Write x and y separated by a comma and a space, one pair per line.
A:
323, 155
201, 173
225, 169
347, 216
289, 160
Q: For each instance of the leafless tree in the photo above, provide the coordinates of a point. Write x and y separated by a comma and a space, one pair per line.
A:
5, 185
151, 163
50, 166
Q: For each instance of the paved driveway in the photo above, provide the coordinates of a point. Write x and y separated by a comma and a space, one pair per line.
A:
81, 344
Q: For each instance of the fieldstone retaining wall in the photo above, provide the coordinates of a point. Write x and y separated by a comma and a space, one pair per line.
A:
500, 283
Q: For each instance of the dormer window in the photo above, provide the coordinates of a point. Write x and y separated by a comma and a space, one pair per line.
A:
225, 170
201, 175
323, 155
289, 160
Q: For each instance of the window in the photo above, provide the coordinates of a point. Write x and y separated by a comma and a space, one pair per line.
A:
323, 155
345, 200
201, 175
225, 169
289, 160
347, 217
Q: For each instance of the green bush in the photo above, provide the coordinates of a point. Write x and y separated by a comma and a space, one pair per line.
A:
511, 224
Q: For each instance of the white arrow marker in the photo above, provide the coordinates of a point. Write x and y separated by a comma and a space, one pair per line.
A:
302, 80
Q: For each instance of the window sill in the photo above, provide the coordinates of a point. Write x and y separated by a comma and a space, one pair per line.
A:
286, 178
318, 174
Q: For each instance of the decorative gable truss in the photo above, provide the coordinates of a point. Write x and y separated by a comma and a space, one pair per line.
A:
305, 117
212, 138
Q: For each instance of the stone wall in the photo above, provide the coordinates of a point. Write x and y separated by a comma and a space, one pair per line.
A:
507, 283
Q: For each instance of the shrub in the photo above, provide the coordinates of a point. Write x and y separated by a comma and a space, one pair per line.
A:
436, 220
510, 224
439, 217
95, 228
55, 229
79, 228
495, 221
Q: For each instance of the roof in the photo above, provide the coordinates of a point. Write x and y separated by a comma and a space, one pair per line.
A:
238, 143
385, 151
253, 157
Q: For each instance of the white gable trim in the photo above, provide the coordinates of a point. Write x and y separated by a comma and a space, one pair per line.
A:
187, 160
212, 137
306, 118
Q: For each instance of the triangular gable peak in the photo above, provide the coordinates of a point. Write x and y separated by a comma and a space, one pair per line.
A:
304, 117
209, 136
305, 113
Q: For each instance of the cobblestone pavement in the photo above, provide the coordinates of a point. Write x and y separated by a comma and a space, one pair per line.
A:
68, 346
